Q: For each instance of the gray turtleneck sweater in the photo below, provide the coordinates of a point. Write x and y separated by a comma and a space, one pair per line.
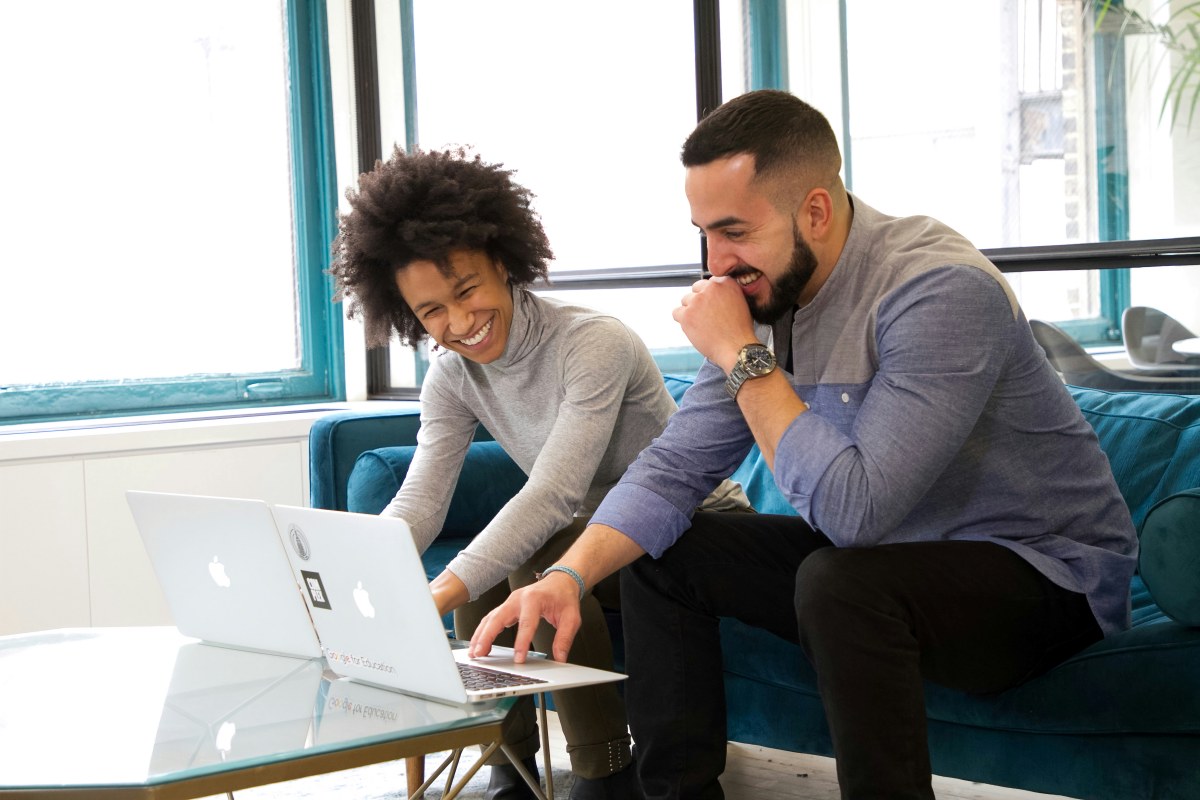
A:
573, 399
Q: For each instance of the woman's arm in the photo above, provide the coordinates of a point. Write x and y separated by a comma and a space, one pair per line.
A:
594, 367
447, 428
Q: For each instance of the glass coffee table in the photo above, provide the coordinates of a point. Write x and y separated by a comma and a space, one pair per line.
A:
147, 713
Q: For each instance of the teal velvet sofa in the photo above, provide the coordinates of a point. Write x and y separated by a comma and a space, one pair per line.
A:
1119, 721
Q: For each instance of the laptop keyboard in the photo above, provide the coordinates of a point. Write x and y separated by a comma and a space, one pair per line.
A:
475, 678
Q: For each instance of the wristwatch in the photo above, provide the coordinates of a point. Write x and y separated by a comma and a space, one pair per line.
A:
754, 361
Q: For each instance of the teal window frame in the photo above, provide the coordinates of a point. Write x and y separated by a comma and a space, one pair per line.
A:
766, 23
1108, 54
321, 373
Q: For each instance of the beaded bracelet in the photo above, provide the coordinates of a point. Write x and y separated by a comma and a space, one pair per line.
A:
560, 568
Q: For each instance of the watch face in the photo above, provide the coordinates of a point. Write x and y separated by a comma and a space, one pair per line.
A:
757, 359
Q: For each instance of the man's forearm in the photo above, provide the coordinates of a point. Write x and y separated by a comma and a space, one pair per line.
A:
599, 552
769, 405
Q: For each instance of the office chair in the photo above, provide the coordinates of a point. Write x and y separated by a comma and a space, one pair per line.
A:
1078, 368
1149, 334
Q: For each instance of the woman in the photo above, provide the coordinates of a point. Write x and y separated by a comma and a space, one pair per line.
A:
443, 245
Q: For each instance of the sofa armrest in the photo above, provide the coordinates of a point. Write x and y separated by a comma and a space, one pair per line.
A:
336, 440
1169, 557
488, 480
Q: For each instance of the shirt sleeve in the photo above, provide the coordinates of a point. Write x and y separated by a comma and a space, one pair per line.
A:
942, 340
655, 499
447, 428
594, 367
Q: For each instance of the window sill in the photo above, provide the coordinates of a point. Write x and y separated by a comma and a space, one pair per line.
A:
91, 437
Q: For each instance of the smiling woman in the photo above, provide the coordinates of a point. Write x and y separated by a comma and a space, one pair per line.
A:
445, 246
467, 308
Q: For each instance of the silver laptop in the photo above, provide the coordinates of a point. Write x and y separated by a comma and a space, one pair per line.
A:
370, 601
224, 573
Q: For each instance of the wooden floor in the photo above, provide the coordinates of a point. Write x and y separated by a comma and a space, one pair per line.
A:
757, 772
752, 773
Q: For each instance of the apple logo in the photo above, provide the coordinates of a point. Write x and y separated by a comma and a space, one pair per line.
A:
224, 739
217, 570
362, 599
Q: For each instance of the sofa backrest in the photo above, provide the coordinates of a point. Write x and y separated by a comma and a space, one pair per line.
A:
336, 440
1152, 442
489, 478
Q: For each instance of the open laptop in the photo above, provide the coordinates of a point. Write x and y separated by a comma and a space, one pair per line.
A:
370, 602
222, 568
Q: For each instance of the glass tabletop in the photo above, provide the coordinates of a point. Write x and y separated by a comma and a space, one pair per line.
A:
98, 707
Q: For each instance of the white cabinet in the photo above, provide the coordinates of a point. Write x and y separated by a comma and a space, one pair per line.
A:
70, 555
43, 547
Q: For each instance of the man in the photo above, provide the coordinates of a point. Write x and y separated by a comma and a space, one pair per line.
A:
957, 520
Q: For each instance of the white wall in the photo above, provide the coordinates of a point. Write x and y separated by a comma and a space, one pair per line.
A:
69, 552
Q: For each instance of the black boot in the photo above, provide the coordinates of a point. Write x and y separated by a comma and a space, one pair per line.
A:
623, 785
507, 784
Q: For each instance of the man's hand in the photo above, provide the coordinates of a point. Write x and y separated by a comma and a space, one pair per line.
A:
599, 552
555, 599
716, 319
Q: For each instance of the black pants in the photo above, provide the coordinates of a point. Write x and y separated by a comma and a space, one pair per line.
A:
875, 622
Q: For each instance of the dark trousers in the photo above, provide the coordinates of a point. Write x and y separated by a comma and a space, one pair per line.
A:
875, 622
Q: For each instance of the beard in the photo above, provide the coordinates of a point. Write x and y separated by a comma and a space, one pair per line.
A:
786, 291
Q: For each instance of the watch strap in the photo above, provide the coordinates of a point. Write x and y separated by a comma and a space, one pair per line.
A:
737, 376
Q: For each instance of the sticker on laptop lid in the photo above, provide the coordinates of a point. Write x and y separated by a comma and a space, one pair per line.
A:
299, 542
316, 590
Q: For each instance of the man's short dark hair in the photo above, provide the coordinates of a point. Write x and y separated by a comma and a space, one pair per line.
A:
781, 131
421, 207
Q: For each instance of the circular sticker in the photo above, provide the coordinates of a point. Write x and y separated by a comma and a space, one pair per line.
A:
299, 542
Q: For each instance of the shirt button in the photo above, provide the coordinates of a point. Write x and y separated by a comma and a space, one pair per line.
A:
845, 397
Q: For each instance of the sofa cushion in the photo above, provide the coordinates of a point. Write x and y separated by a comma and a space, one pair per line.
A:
1101, 690
488, 480
1151, 441
1169, 560
757, 480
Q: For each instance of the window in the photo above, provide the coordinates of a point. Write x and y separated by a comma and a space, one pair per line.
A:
168, 213
588, 103
1019, 122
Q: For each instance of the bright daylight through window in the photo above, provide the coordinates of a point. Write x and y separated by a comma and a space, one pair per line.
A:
589, 104
1037, 128
1019, 122
149, 214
